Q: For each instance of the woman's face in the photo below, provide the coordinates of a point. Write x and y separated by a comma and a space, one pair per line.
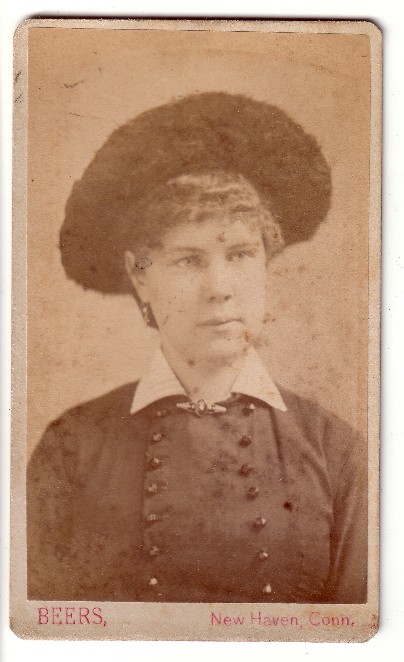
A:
206, 286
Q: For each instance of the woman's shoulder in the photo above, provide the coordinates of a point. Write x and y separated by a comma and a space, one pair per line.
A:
113, 404
88, 424
79, 432
306, 417
306, 408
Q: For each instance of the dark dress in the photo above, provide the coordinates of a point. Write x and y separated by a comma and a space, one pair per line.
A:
251, 505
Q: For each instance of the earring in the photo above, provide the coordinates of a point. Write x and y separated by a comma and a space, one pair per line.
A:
145, 313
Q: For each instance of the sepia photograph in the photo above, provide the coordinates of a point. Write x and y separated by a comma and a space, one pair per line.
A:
201, 314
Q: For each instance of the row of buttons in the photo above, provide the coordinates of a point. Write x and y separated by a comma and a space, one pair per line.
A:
245, 470
151, 518
253, 492
155, 487
266, 590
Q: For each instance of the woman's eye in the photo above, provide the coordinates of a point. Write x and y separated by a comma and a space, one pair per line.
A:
188, 261
237, 256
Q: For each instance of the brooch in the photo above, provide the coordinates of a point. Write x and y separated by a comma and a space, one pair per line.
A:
201, 408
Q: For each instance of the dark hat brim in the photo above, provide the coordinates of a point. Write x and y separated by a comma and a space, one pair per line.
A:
200, 133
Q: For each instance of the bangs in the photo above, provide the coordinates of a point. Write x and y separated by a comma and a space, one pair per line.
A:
211, 193
198, 198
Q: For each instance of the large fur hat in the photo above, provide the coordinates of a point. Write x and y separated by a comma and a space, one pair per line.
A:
200, 133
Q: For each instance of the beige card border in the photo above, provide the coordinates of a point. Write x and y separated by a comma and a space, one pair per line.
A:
169, 621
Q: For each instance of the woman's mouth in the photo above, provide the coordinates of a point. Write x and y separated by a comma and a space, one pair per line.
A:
220, 321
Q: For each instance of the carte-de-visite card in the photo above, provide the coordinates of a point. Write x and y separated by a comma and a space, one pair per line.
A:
196, 330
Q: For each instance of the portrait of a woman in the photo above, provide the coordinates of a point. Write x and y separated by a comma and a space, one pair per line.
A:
203, 481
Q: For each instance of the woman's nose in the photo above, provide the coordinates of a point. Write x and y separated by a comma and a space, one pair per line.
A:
218, 284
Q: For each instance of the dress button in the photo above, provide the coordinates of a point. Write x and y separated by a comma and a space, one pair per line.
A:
267, 589
248, 409
157, 437
154, 551
152, 489
253, 492
151, 517
260, 522
160, 413
155, 463
263, 555
245, 440
153, 581
246, 469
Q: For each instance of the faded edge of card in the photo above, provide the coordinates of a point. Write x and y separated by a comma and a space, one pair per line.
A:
193, 621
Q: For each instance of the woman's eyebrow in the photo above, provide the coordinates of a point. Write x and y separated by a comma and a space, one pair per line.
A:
183, 249
245, 244
197, 249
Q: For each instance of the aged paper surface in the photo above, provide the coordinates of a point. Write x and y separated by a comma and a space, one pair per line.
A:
204, 501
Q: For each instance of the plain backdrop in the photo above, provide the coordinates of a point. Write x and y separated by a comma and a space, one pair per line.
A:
388, 642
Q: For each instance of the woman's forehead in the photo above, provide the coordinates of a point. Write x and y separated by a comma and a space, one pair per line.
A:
212, 232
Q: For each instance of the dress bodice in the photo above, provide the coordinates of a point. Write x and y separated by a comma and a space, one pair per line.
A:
249, 505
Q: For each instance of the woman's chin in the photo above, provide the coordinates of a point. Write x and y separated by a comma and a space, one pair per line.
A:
223, 351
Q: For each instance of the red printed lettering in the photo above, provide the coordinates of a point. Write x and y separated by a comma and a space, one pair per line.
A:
83, 614
98, 615
56, 611
69, 615
43, 615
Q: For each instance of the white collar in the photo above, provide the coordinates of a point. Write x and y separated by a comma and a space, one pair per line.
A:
160, 382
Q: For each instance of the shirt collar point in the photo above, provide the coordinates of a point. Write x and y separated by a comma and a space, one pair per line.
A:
159, 382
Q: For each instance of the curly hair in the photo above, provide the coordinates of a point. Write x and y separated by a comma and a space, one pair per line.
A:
195, 198
211, 132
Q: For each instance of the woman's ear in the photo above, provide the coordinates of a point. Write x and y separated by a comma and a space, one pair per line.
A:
136, 273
